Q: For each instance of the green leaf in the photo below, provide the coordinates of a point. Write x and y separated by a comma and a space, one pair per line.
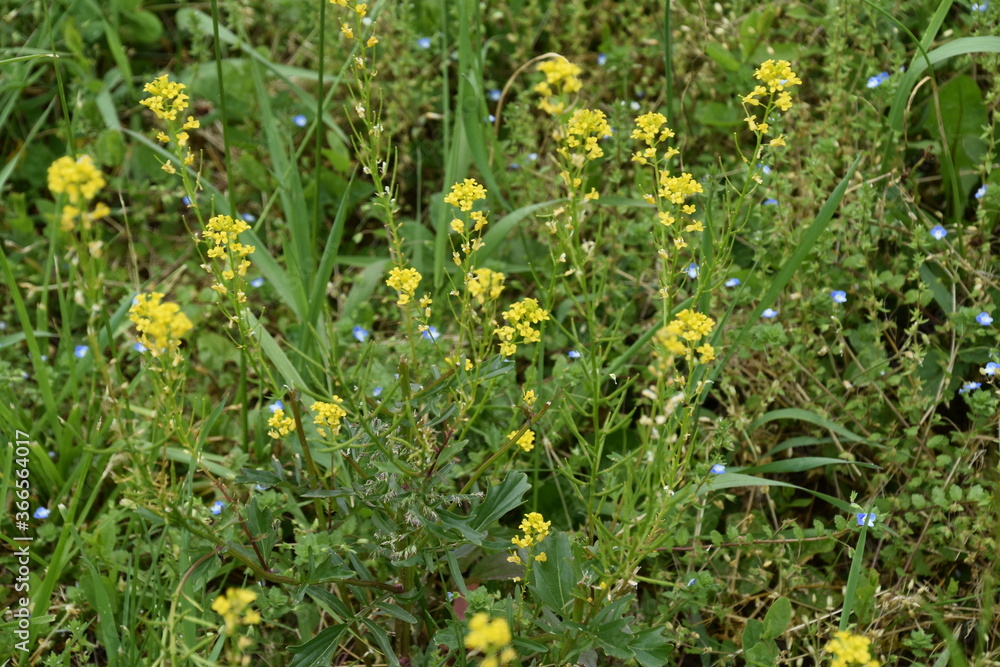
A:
276, 355
650, 648
762, 654
806, 416
318, 651
382, 639
722, 56
260, 521
500, 499
553, 580
752, 632
804, 463
778, 616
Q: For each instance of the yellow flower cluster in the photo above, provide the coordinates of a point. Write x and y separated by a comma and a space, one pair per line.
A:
463, 196
234, 603
485, 284
80, 181
535, 529
160, 325
585, 128
328, 415
850, 649
521, 315
167, 99
526, 441
280, 424
676, 189
688, 326
647, 129
405, 282
491, 638
222, 231
561, 78
776, 76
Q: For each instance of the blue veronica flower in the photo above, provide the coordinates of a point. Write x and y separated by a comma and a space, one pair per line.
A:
878, 79
257, 282
532, 156
635, 106
970, 386
939, 232
494, 95
80, 351
839, 296
45, 357
140, 348
249, 217
513, 166
984, 318
261, 487
42, 513
764, 168
769, 313
573, 354
491, 119
424, 42
217, 507
377, 391
602, 60
3, 326
52, 455
991, 368
360, 333
277, 405
980, 192
866, 518
770, 202
300, 120
692, 270
692, 582
732, 282
431, 333
186, 200
718, 469
979, 6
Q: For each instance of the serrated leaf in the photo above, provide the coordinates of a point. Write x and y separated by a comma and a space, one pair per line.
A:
553, 580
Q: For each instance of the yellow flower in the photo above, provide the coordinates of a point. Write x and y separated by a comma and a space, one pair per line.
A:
78, 179
585, 128
541, 558
328, 415
160, 325
780, 141
167, 99
676, 189
346, 29
405, 282
561, 78
850, 649
488, 636
464, 194
526, 441
691, 325
776, 75
372, 41
169, 168
232, 604
485, 284
529, 397
280, 424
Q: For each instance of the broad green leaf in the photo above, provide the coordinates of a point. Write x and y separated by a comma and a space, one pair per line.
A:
777, 618
806, 416
500, 499
553, 580
318, 651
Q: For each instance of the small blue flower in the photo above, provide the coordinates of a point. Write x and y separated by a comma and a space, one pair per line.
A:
839, 296
300, 120
45, 357
770, 202
249, 217
261, 487
80, 351
718, 469
692, 582
140, 348
984, 319
991, 368
878, 79
494, 95
491, 119
732, 282
602, 60
865, 518
939, 232
970, 386
424, 42
277, 405
217, 507
573, 354
513, 166
431, 333
980, 192
360, 333
692, 270
52, 455
42, 513
769, 313
764, 168
532, 156
377, 391
980, 6
257, 282
3, 326
186, 200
